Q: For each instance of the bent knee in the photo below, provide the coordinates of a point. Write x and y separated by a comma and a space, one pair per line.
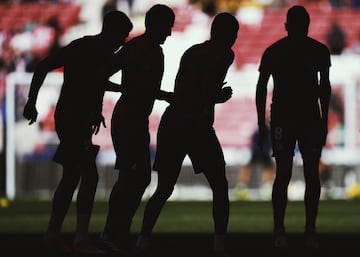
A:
164, 192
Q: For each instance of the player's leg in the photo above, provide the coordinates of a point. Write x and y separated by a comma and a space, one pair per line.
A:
84, 206
284, 165
310, 147
283, 143
279, 198
133, 162
170, 153
62, 198
166, 182
66, 155
312, 189
138, 181
60, 205
207, 156
124, 200
220, 209
110, 235
311, 198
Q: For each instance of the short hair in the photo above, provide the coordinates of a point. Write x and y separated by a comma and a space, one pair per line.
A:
224, 25
297, 16
159, 15
115, 22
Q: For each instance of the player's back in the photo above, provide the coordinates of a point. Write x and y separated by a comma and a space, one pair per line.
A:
199, 79
85, 64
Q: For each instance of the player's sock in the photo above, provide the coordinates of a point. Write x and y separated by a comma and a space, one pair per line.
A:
82, 226
143, 242
54, 226
105, 237
219, 243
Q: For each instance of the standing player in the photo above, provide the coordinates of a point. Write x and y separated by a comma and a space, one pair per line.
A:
186, 127
78, 116
141, 61
295, 62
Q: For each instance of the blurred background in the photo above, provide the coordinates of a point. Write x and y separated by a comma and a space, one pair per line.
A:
30, 29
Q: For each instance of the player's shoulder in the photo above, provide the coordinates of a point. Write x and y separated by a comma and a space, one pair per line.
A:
276, 46
196, 48
193, 53
280, 42
135, 44
317, 45
84, 40
141, 44
207, 48
83, 43
139, 39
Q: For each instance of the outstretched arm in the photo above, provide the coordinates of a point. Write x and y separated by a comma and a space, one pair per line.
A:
46, 65
261, 93
325, 94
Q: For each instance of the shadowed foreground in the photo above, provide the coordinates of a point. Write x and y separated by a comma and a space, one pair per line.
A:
199, 245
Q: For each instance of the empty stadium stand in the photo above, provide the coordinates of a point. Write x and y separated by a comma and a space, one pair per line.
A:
17, 15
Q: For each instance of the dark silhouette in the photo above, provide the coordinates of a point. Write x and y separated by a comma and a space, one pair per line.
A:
77, 117
141, 61
294, 62
186, 127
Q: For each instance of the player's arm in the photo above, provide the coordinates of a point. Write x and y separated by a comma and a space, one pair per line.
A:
43, 68
261, 93
224, 93
97, 118
113, 87
118, 61
115, 65
155, 75
325, 94
165, 95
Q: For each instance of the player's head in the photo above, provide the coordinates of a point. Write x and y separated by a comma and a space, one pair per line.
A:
159, 20
116, 27
297, 21
224, 29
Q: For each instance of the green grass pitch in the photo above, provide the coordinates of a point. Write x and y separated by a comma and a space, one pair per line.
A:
335, 216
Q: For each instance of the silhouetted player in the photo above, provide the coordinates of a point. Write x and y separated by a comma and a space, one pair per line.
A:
299, 114
78, 116
141, 61
186, 127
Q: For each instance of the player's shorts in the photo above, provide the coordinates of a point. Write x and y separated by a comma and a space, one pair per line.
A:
132, 147
285, 135
174, 142
75, 142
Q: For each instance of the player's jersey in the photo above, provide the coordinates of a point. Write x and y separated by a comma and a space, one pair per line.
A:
85, 65
294, 66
